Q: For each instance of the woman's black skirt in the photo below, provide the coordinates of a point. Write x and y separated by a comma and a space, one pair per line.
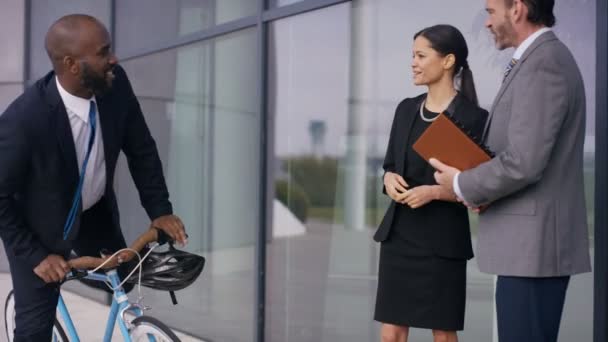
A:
418, 290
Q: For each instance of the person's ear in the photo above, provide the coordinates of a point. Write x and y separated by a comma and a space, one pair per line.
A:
519, 11
70, 65
449, 61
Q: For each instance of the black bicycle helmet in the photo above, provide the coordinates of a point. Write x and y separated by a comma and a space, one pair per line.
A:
170, 270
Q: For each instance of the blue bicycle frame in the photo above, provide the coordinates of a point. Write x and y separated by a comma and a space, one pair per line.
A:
120, 304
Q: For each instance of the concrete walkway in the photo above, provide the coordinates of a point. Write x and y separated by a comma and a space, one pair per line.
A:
89, 316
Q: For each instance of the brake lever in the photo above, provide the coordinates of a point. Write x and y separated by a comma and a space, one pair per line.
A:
164, 238
75, 275
104, 252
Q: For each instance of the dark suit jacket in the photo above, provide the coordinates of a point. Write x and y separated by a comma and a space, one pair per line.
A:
446, 225
39, 171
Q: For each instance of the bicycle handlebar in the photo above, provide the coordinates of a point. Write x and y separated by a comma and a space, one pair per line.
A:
88, 262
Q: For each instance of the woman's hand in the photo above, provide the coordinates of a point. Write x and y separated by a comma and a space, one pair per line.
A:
420, 195
395, 186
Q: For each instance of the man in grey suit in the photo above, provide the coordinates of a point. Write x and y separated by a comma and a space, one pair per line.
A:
533, 232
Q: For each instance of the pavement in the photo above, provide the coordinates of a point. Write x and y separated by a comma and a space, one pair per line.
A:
320, 288
89, 316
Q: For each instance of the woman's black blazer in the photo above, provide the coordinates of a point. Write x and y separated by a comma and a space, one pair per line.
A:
445, 224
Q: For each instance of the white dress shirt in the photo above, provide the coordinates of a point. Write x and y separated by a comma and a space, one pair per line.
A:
94, 183
519, 51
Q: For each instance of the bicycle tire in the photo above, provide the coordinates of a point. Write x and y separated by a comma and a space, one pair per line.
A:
59, 334
9, 312
144, 326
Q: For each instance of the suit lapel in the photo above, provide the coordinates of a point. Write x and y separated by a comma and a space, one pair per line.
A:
105, 108
60, 124
547, 36
405, 131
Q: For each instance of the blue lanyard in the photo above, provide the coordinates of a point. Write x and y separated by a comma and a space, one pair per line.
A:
77, 196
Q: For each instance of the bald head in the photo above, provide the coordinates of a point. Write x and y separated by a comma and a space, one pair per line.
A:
79, 47
71, 36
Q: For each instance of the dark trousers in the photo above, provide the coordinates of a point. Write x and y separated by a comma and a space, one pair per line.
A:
35, 301
529, 309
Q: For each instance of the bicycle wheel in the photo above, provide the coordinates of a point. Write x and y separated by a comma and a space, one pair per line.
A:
9, 316
9, 322
145, 327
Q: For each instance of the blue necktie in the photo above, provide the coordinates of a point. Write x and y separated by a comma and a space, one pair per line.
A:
77, 196
510, 66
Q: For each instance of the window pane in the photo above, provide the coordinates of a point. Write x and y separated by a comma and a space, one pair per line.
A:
279, 3
202, 108
44, 13
322, 265
11, 68
11, 35
163, 21
576, 24
8, 93
335, 77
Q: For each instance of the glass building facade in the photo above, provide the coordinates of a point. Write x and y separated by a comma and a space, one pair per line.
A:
272, 120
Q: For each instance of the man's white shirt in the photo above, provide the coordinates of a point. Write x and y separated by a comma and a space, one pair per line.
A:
94, 184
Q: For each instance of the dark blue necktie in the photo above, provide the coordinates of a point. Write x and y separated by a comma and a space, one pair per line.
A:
77, 196
509, 67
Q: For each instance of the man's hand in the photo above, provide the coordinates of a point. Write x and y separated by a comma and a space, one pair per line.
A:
52, 269
444, 175
122, 257
173, 226
395, 186
420, 195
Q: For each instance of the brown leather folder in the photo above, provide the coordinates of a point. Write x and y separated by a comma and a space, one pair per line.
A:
447, 141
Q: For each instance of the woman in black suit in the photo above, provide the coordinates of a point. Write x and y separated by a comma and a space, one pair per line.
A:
425, 237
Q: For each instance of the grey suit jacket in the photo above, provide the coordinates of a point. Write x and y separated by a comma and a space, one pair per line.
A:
536, 222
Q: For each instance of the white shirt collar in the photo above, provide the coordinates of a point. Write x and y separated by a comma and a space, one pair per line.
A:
528, 41
74, 104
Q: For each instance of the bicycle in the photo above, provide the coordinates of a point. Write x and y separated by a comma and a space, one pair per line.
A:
139, 328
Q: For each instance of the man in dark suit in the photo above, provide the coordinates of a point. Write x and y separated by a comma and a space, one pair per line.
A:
59, 144
533, 234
